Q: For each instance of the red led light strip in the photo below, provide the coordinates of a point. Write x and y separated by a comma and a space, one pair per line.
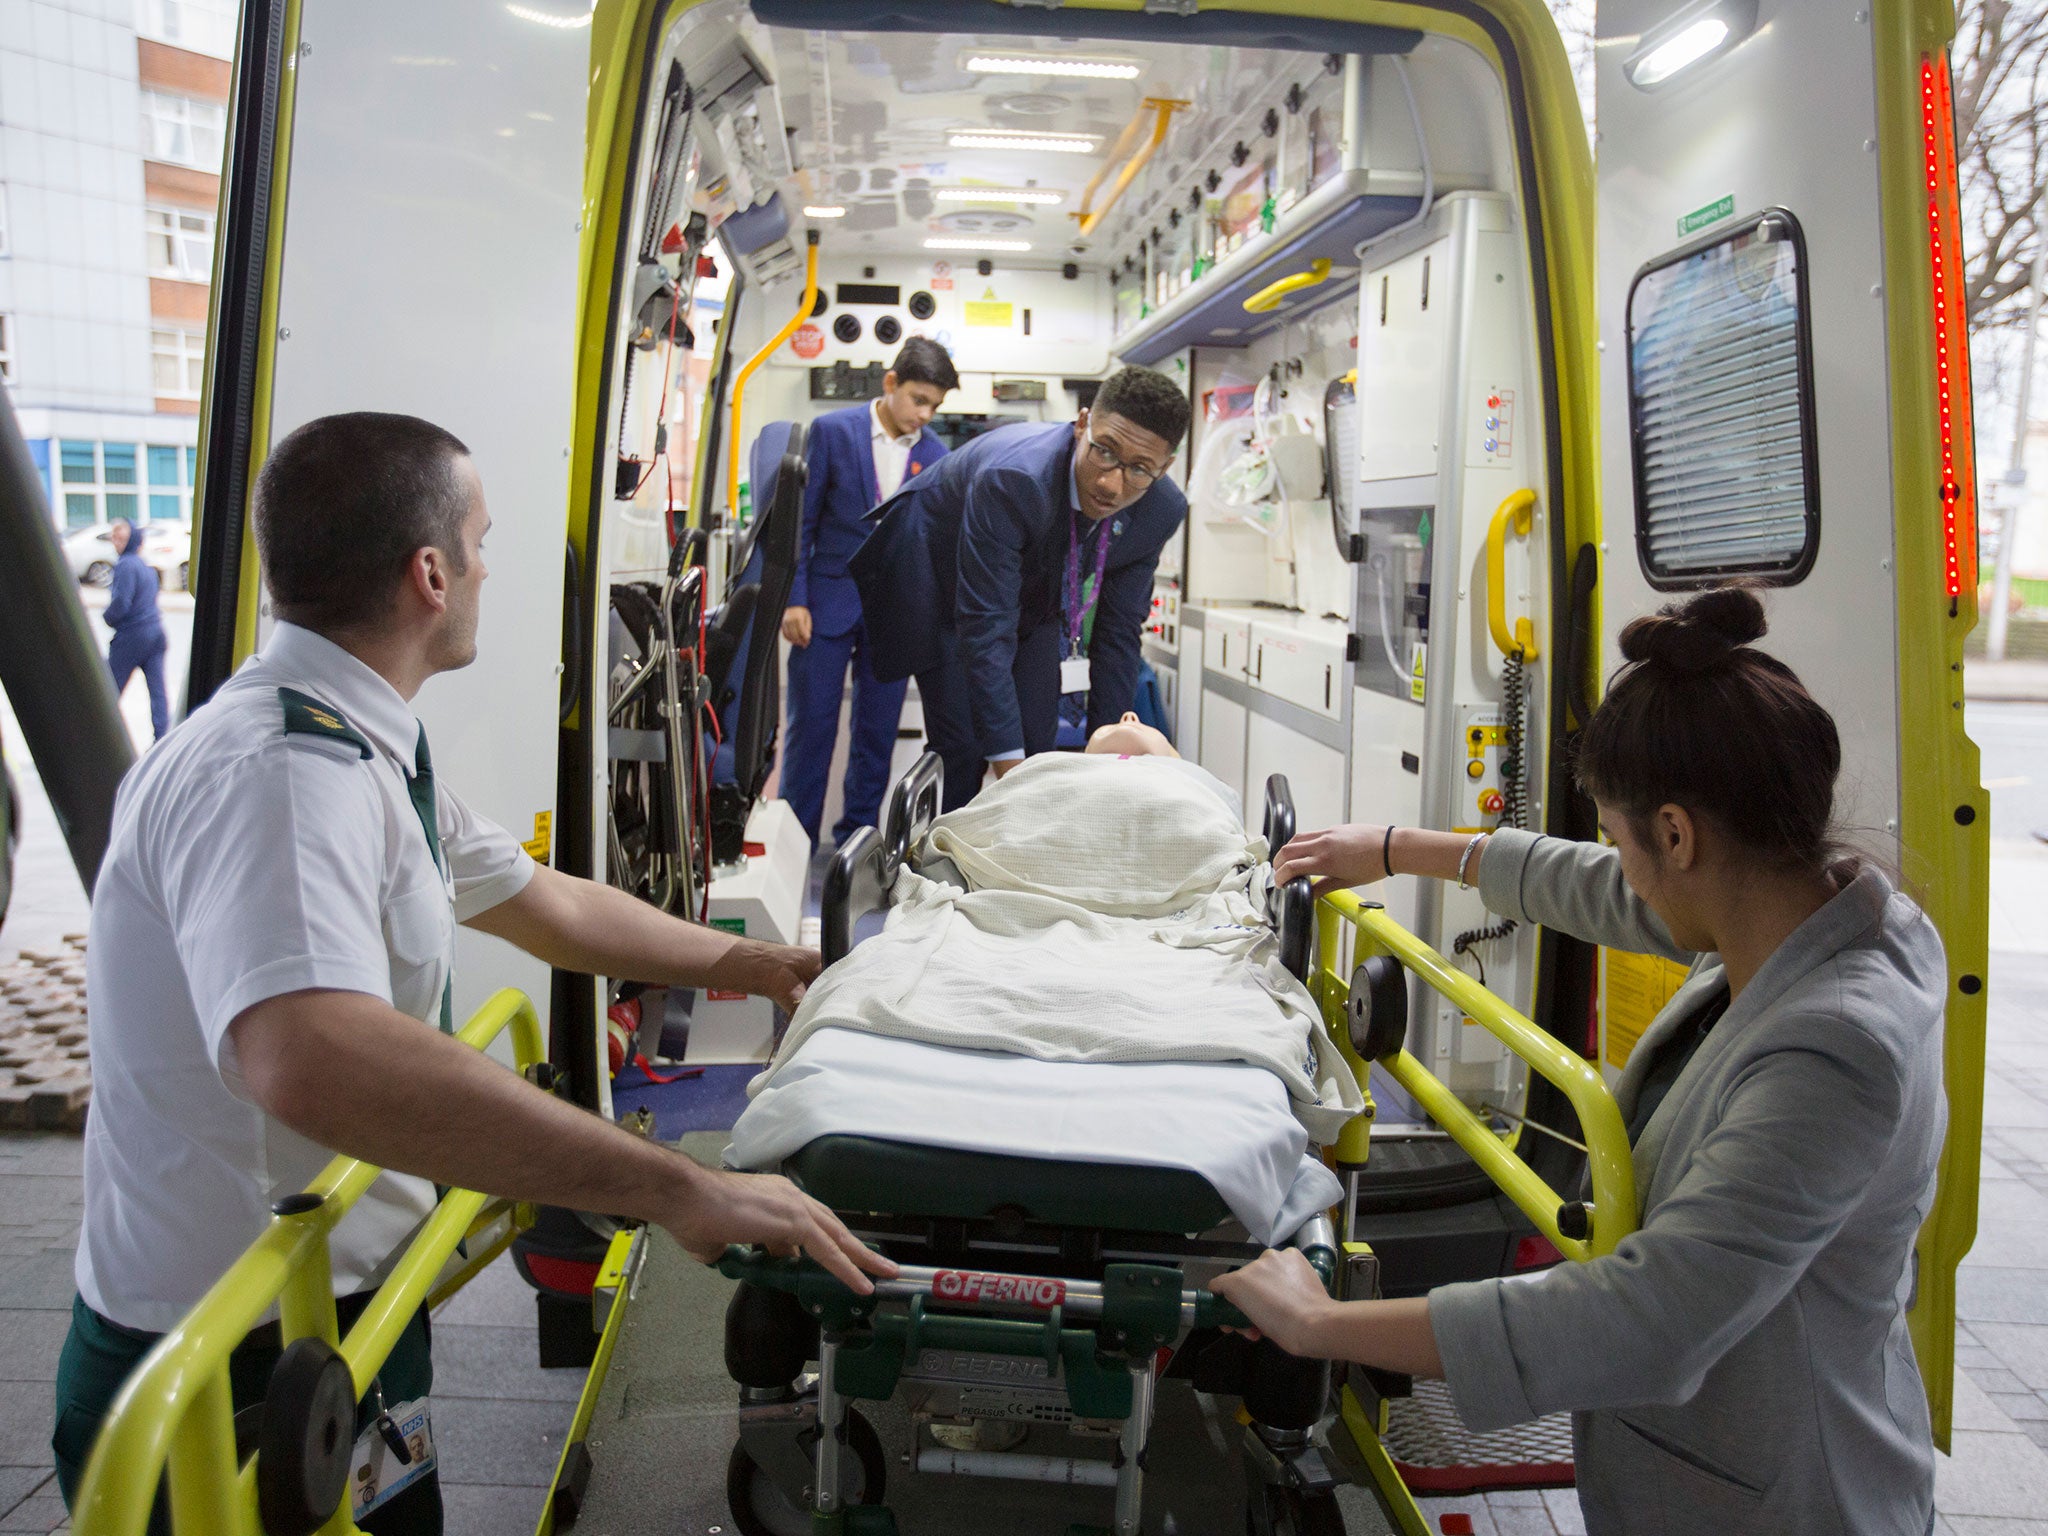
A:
1951, 330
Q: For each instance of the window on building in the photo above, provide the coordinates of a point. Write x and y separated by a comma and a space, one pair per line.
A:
180, 243
183, 130
203, 26
169, 490
117, 469
6, 349
179, 357
103, 481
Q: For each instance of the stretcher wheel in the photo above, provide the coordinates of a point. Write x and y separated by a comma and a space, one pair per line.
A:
1290, 1512
762, 1507
305, 1438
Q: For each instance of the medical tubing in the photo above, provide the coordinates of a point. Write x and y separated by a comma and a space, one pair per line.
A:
1428, 203
1379, 563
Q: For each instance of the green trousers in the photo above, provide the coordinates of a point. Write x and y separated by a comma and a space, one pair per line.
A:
99, 1356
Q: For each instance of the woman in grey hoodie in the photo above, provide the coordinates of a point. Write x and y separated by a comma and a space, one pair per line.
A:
1741, 1362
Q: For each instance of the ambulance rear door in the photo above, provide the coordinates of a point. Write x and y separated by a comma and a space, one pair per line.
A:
1785, 396
401, 223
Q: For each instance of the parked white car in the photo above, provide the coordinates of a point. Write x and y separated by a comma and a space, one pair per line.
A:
167, 546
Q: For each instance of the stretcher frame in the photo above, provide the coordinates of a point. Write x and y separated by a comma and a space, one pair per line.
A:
1124, 1289
175, 1419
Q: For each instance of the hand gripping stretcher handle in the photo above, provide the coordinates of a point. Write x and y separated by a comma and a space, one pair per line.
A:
1077, 1300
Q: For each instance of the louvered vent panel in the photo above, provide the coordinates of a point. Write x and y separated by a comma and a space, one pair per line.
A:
1722, 409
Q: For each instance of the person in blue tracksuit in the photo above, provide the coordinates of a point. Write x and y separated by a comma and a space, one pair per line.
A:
138, 628
1020, 570
857, 457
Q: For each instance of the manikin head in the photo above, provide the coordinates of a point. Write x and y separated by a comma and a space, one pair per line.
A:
1130, 737
1125, 441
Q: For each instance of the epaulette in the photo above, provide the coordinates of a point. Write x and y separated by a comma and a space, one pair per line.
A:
305, 715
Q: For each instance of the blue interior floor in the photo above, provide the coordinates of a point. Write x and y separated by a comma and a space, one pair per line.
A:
711, 1101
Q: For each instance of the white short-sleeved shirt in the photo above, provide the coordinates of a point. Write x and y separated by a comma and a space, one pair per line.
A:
247, 861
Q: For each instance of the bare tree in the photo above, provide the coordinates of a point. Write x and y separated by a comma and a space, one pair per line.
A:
1574, 20
2000, 64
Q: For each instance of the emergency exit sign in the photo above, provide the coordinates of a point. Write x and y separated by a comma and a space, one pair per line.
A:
1719, 209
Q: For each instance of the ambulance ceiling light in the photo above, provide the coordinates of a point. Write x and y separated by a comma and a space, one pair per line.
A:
1051, 64
977, 245
1691, 36
818, 211
1051, 143
998, 195
542, 18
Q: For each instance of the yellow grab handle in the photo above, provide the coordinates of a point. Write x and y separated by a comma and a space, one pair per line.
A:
1270, 295
1520, 509
739, 384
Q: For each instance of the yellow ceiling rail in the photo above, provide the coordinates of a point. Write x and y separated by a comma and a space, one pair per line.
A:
1162, 109
1269, 297
739, 384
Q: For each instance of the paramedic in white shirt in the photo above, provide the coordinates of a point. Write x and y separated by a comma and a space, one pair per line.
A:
272, 933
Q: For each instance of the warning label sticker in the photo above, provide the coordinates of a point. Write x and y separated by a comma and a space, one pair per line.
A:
1638, 987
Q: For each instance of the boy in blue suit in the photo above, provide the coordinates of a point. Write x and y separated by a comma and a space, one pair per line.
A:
1021, 570
857, 457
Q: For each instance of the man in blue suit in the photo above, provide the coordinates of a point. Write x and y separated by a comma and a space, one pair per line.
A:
1021, 570
857, 457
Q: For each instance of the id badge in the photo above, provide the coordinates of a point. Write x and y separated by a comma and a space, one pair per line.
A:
376, 1473
1074, 675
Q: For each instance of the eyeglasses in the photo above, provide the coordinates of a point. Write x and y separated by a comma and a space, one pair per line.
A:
1106, 460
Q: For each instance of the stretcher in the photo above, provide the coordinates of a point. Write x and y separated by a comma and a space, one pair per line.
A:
1034, 1292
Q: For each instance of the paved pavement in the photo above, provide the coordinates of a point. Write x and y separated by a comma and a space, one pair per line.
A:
501, 1417
2006, 681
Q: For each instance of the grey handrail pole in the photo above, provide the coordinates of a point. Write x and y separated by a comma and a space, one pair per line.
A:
50, 664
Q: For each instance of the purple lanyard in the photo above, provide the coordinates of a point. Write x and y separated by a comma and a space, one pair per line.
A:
1077, 616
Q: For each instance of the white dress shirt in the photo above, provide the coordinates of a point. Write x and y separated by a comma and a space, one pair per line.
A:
892, 454
246, 862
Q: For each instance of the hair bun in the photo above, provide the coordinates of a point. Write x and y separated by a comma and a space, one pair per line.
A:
1699, 633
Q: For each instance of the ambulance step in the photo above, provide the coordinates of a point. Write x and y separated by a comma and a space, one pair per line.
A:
1437, 1454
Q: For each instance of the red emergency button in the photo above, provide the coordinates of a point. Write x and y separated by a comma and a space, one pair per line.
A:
1490, 802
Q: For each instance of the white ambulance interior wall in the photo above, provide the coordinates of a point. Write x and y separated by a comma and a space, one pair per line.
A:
1805, 78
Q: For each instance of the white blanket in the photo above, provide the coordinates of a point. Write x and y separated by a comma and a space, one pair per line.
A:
1229, 1123
1028, 963
1122, 836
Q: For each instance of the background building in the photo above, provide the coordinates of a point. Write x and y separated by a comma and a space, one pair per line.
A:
113, 117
